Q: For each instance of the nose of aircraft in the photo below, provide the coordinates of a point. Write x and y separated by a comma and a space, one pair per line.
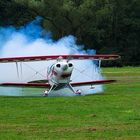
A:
65, 67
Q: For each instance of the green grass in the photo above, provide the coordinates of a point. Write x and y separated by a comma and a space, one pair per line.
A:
115, 114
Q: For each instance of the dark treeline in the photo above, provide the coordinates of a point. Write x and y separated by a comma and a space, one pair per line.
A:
108, 26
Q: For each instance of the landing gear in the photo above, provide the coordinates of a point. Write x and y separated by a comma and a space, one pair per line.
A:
78, 92
45, 93
92, 87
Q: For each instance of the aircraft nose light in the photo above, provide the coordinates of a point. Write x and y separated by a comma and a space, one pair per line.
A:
65, 67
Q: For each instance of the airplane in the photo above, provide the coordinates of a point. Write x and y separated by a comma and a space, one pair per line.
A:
59, 73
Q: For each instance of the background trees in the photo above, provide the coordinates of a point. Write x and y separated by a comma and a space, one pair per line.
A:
109, 26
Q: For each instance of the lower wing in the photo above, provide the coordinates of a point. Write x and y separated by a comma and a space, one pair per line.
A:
33, 85
46, 85
99, 82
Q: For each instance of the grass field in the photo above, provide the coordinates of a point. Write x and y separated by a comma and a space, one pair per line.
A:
115, 114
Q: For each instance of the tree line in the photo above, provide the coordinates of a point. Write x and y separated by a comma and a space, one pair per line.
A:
108, 26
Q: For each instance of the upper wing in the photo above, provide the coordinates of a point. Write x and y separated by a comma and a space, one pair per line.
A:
92, 83
33, 85
53, 57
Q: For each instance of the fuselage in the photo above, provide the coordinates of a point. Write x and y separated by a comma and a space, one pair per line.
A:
60, 72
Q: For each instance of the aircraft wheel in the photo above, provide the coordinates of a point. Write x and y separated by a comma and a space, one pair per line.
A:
78, 92
45, 93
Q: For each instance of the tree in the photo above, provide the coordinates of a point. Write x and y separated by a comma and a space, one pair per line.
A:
109, 26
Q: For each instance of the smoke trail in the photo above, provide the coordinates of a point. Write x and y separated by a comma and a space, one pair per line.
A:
33, 40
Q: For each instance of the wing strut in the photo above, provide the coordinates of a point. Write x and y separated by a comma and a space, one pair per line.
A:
21, 69
100, 65
17, 69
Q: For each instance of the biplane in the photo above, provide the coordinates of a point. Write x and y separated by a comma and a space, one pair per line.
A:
59, 73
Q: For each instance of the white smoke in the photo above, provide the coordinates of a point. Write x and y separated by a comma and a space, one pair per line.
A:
28, 41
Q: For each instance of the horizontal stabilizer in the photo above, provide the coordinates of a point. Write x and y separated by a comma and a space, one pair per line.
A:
39, 81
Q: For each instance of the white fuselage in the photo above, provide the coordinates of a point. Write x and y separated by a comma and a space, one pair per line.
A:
60, 72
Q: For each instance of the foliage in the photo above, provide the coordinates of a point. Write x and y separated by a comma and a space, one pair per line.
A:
109, 26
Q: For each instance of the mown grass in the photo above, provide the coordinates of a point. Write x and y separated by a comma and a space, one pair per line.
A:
115, 114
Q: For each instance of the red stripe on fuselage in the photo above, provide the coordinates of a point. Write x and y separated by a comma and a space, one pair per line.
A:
53, 72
